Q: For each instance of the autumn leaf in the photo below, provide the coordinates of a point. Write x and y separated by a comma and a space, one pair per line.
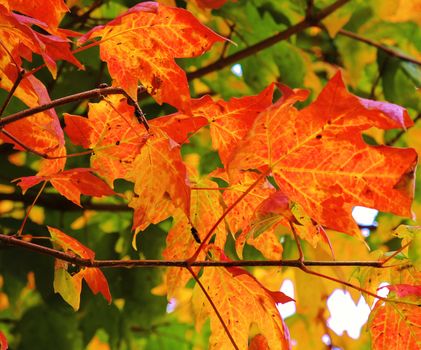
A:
403, 290
241, 214
160, 179
20, 40
395, 326
319, 160
242, 303
230, 121
42, 131
49, 12
134, 48
71, 184
69, 285
112, 132
3, 342
205, 210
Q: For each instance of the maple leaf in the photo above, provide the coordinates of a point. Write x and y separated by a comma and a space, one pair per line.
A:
205, 210
112, 132
71, 184
160, 178
395, 326
319, 160
20, 40
69, 286
230, 121
141, 44
42, 131
403, 290
49, 12
242, 303
241, 214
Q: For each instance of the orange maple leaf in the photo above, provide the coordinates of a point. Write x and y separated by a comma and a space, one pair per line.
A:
205, 210
49, 12
160, 178
42, 131
141, 44
395, 326
319, 159
71, 184
112, 132
242, 302
70, 290
230, 121
20, 40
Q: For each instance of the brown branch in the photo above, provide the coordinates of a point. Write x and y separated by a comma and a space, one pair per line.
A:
303, 267
12, 91
16, 242
385, 49
251, 50
94, 93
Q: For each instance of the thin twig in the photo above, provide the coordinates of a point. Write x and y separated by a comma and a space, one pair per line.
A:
303, 267
251, 50
401, 132
41, 154
94, 93
12, 91
22, 226
395, 253
385, 49
221, 320
13, 241
225, 213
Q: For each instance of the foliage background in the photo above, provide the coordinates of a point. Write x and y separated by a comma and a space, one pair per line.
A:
33, 317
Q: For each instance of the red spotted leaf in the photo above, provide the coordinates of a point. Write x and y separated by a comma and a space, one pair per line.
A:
134, 48
319, 159
68, 243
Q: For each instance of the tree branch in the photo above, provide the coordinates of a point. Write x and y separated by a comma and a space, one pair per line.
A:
385, 49
94, 93
251, 50
13, 241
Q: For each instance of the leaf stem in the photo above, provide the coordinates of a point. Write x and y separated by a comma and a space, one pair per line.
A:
232, 206
227, 332
12, 91
19, 233
383, 48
